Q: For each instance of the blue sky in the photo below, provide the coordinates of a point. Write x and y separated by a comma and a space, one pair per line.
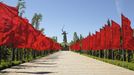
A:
81, 16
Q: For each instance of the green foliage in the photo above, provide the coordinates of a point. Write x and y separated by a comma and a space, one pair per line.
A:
13, 56
89, 34
54, 38
71, 43
4, 64
81, 37
63, 44
36, 20
21, 7
108, 22
42, 30
125, 64
75, 37
16, 63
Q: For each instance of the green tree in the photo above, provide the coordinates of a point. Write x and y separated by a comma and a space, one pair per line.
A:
71, 42
54, 38
42, 30
36, 20
75, 37
21, 7
89, 34
108, 22
81, 37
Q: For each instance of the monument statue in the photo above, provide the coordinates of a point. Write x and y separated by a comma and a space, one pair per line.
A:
64, 36
64, 33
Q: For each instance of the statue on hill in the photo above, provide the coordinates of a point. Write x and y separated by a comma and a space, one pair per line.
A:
64, 33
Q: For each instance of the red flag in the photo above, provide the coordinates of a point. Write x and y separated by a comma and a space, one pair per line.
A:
94, 43
75, 46
88, 42
20, 36
102, 31
12, 10
98, 40
108, 33
8, 12
130, 44
116, 33
127, 31
38, 44
56, 46
85, 43
6, 26
91, 43
32, 35
78, 46
49, 43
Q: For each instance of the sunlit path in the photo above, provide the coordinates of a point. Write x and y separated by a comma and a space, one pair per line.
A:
66, 63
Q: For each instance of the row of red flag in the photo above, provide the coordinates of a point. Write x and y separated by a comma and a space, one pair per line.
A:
111, 36
17, 32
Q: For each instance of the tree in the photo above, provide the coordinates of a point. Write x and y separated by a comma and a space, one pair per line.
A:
71, 42
81, 37
21, 6
36, 20
54, 38
108, 22
89, 34
75, 37
42, 30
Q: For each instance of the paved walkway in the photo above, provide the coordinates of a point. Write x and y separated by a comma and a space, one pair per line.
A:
66, 63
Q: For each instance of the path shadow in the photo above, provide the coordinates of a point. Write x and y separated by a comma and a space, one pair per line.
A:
31, 66
37, 61
44, 63
36, 72
25, 72
18, 67
47, 59
52, 58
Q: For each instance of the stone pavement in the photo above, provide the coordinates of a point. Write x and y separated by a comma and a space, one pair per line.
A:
66, 63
